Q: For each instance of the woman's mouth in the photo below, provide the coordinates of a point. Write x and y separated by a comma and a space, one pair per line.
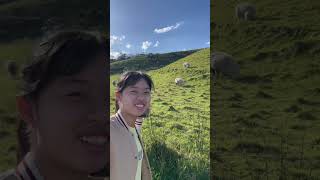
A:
95, 144
94, 137
140, 105
94, 140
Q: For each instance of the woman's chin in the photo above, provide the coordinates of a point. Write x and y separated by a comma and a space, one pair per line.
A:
138, 112
92, 167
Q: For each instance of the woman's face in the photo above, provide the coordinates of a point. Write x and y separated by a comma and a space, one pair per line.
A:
71, 120
135, 100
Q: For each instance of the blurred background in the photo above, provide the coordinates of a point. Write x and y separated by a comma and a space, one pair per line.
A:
265, 102
22, 25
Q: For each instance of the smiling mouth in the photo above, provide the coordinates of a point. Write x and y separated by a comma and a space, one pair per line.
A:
139, 105
95, 140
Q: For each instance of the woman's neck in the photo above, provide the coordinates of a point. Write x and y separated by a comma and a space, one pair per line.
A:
130, 120
50, 170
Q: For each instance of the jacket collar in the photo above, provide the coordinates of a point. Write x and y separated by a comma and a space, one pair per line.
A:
27, 169
121, 120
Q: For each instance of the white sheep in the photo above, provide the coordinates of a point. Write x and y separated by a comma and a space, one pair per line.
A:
186, 65
222, 63
114, 82
245, 11
179, 81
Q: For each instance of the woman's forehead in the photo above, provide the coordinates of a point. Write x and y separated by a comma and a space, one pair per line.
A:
87, 77
137, 87
141, 83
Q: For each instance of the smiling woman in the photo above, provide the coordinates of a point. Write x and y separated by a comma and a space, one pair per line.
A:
127, 154
63, 132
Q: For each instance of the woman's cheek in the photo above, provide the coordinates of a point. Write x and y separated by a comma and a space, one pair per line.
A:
131, 97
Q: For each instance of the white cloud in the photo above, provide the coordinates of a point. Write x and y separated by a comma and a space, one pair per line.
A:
116, 39
208, 42
128, 46
156, 44
114, 54
146, 45
168, 28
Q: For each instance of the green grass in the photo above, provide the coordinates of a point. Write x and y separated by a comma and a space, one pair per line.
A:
177, 141
266, 123
19, 51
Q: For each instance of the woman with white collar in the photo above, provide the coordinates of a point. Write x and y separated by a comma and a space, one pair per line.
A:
128, 158
62, 111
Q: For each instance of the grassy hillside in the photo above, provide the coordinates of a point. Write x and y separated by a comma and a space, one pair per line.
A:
147, 61
18, 51
177, 132
265, 124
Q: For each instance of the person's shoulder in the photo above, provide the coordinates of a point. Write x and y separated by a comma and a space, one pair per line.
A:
8, 175
114, 124
113, 118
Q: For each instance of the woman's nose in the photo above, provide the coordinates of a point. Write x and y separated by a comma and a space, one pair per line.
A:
141, 96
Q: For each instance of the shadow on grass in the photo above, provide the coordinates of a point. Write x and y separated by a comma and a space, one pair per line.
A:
168, 164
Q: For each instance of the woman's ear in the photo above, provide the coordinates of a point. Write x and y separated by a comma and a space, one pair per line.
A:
25, 110
118, 95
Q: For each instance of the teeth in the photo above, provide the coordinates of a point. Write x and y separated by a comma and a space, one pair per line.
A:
95, 140
140, 105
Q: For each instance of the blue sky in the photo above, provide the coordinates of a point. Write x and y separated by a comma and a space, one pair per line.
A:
158, 26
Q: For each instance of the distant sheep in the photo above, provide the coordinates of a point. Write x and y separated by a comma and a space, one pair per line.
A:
245, 11
12, 69
114, 82
222, 63
186, 65
179, 81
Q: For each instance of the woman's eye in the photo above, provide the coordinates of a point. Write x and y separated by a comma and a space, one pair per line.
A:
147, 92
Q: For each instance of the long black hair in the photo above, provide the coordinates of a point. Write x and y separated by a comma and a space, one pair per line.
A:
63, 53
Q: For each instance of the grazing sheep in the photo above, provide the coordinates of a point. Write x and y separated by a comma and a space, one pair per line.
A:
186, 65
12, 69
222, 63
179, 81
245, 11
114, 82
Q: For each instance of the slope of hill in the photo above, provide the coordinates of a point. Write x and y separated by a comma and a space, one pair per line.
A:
177, 132
266, 122
148, 61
